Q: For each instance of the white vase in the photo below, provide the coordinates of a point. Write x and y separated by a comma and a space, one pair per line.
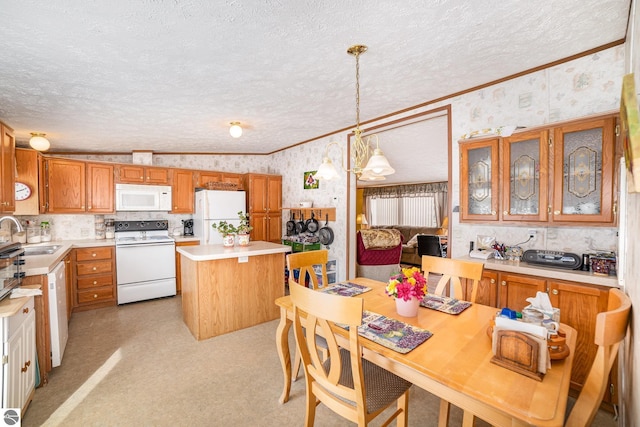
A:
243, 239
407, 308
228, 240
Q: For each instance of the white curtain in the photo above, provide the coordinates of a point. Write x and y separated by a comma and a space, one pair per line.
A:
414, 204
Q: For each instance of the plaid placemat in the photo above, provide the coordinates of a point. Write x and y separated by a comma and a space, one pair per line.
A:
391, 333
444, 304
346, 289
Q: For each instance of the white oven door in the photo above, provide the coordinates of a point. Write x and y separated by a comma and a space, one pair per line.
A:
145, 271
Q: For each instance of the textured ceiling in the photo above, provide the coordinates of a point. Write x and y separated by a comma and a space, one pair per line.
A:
169, 76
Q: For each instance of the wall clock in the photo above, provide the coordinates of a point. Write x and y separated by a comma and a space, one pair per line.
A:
23, 191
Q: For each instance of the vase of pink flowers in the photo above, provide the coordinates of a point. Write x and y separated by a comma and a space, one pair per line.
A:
408, 288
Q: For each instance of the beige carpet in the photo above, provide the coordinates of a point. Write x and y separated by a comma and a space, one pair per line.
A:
138, 365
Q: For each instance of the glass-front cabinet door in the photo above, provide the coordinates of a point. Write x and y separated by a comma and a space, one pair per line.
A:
584, 154
479, 189
526, 176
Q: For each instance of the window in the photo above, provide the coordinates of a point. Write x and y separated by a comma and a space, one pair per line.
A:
422, 205
415, 211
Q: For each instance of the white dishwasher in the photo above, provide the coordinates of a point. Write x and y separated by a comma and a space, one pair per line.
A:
58, 313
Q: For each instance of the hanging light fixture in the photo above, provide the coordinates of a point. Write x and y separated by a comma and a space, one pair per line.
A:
235, 130
366, 167
39, 142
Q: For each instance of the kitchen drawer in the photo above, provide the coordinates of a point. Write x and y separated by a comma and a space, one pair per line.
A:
17, 319
90, 254
95, 281
102, 294
95, 267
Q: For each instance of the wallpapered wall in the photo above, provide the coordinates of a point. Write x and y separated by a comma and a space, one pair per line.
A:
575, 89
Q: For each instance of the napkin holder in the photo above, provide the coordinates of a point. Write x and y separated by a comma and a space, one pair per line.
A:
520, 348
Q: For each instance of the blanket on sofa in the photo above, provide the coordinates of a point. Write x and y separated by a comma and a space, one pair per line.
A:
381, 238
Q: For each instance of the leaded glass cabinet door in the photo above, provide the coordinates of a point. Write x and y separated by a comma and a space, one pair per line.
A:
526, 176
584, 154
479, 190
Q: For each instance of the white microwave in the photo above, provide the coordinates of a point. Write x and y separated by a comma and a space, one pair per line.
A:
133, 197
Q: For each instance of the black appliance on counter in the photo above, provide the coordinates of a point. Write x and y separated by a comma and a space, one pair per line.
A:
554, 259
11, 260
188, 227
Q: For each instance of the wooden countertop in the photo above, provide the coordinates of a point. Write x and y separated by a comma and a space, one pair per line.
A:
216, 252
10, 306
541, 271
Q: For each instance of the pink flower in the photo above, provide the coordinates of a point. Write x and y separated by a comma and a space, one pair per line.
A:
407, 284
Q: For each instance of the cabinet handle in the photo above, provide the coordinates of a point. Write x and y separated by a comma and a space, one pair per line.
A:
95, 282
95, 295
25, 310
493, 212
556, 212
94, 254
89, 207
95, 268
505, 213
493, 281
503, 283
555, 292
26, 366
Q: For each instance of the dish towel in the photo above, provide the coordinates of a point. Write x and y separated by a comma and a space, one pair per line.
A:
23, 292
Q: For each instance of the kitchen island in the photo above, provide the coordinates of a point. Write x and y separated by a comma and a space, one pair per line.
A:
227, 289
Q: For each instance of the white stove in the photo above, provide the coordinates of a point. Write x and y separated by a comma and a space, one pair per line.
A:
145, 259
140, 232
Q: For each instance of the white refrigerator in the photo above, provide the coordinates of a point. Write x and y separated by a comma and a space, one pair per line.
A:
213, 206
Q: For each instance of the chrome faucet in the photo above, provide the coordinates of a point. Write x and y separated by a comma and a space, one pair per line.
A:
15, 221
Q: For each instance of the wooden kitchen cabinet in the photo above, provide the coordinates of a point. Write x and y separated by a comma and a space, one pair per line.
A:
30, 171
487, 289
100, 188
7, 169
562, 174
178, 264
136, 174
75, 186
479, 186
95, 278
66, 186
182, 192
19, 355
205, 177
579, 304
525, 165
264, 206
584, 170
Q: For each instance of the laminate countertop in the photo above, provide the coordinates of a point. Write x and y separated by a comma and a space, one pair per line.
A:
547, 272
216, 252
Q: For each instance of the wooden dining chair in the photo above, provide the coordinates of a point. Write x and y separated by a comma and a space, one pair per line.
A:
452, 270
305, 263
611, 329
352, 387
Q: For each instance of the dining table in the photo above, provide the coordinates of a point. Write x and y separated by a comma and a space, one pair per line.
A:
455, 363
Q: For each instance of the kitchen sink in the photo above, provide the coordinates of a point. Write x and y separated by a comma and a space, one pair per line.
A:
41, 250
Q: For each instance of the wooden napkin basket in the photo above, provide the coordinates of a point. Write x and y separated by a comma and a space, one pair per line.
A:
519, 352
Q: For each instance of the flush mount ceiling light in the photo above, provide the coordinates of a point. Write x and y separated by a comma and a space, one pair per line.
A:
366, 167
235, 130
39, 142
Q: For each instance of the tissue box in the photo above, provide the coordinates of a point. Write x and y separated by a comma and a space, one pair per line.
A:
553, 315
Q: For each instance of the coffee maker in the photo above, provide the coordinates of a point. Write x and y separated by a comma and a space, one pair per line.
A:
188, 227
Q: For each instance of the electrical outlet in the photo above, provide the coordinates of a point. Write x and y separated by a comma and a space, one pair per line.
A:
532, 234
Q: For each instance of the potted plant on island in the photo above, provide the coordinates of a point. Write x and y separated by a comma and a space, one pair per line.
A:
243, 229
227, 231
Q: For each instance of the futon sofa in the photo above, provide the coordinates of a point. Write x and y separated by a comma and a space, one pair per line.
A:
410, 241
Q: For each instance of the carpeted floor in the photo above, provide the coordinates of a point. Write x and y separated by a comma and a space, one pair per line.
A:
138, 365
